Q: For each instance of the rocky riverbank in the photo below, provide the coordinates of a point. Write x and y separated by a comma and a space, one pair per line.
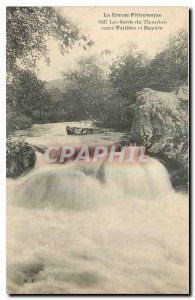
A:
161, 124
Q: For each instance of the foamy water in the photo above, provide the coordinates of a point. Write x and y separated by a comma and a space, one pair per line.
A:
70, 232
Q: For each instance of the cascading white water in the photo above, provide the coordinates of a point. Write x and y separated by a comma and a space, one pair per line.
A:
70, 186
70, 232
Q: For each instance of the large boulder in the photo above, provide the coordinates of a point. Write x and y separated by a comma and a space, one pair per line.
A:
20, 158
78, 130
161, 124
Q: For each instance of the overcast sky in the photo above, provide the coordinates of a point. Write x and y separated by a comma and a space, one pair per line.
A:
87, 18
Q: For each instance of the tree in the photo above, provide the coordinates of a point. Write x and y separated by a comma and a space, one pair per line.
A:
93, 95
127, 73
28, 29
169, 68
27, 95
87, 86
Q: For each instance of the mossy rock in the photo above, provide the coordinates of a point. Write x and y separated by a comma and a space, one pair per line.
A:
20, 158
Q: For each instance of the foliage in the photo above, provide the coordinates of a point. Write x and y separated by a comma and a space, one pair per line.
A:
87, 86
27, 93
169, 68
132, 72
127, 73
106, 97
16, 120
28, 29
27, 99
93, 95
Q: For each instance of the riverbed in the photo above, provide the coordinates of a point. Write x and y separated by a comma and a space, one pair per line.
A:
69, 233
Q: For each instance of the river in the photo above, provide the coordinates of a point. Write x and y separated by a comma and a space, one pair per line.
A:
70, 233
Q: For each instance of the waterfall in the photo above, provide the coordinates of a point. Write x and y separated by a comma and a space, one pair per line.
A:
95, 228
74, 186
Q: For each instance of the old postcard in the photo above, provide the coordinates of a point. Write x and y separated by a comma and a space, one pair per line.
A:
97, 150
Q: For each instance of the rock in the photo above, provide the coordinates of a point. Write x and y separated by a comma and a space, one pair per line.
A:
78, 130
20, 158
21, 126
161, 124
182, 93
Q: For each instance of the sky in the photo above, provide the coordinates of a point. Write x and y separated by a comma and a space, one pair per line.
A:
86, 18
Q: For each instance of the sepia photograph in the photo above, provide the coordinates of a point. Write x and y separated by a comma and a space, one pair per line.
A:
97, 150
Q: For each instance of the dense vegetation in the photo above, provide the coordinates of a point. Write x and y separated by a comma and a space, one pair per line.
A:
105, 93
91, 91
106, 96
28, 29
